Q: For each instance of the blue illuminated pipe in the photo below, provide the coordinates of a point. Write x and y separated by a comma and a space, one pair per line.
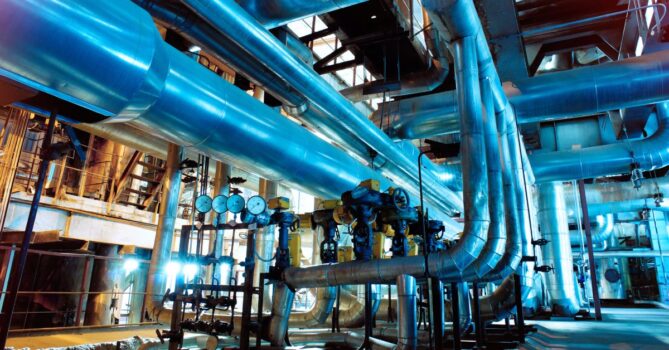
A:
275, 13
458, 18
493, 250
603, 231
332, 115
553, 221
621, 84
202, 34
617, 158
59, 48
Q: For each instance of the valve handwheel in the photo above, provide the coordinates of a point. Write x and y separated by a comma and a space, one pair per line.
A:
400, 199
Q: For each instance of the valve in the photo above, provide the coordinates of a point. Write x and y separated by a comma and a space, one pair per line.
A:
544, 268
637, 176
172, 336
540, 242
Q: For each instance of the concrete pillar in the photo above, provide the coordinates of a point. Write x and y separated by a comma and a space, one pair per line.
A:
162, 245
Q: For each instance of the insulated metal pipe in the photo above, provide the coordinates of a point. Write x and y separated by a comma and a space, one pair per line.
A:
204, 35
605, 225
557, 253
281, 305
459, 18
272, 14
173, 85
407, 329
162, 245
617, 158
494, 247
450, 265
339, 119
590, 90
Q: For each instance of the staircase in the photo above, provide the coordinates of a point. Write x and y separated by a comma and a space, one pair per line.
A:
140, 182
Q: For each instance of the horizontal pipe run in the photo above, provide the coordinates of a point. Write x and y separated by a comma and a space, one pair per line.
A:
617, 158
339, 119
276, 13
595, 89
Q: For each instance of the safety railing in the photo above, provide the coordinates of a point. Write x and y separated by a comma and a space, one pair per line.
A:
72, 290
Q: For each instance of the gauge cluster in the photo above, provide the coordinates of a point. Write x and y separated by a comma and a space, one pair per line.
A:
234, 204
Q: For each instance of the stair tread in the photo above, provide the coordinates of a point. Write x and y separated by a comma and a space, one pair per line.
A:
143, 178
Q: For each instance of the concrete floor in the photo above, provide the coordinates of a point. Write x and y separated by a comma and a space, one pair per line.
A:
75, 338
621, 329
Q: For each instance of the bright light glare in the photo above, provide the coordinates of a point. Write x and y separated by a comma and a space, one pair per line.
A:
130, 265
173, 267
445, 176
190, 270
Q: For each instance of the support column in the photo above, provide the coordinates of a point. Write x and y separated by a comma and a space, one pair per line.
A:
264, 245
162, 245
591, 255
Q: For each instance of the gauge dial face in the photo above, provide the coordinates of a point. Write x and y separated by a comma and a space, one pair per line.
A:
203, 203
220, 204
235, 203
256, 205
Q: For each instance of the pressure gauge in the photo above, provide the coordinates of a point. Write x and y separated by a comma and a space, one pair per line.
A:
220, 204
203, 203
256, 205
235, 203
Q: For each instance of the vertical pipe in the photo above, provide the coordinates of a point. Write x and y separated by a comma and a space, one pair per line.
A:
437, 311
217, 237
557, 253
520, 317
247, 302
591, 255
265, 242
15, 282
455, 305
477, 316
162, 245
407, 332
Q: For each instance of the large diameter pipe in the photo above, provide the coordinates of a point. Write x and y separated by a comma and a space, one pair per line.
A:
162, 245
604, 229
557, 253
448, 265
337, 117
204, 35
590, 90
272, 14
175, 87
617, 158
407, 330
494, 247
